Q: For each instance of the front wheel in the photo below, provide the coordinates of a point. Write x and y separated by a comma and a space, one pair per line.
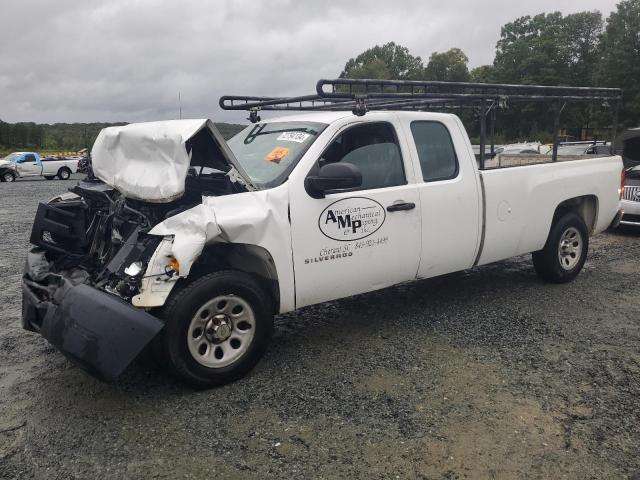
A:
8, 177
565, 252
217, 328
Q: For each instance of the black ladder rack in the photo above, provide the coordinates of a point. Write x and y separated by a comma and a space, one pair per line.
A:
363, 95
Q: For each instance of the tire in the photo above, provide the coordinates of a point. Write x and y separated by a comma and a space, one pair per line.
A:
204, 357
8, 177
64, 173
565, 252
49, 177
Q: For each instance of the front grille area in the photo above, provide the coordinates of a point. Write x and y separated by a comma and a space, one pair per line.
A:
631, 193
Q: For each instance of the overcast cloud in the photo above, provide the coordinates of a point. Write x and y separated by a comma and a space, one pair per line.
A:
126, 60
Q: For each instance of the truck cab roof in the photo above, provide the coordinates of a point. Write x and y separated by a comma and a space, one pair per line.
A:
333, 116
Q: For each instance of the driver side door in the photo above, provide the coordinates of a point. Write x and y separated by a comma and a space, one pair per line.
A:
28, 166
357, 241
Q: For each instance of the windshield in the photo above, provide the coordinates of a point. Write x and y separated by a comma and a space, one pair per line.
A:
11, 157
269, 151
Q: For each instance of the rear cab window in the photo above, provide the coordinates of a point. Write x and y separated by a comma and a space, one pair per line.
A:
437, 155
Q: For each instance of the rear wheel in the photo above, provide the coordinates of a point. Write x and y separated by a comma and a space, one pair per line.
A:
217, 328
8, 177
64, 173
565, 252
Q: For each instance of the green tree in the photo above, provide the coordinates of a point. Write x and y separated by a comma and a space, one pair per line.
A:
449, 66
549, 49
620, 64
389, 61
483, 73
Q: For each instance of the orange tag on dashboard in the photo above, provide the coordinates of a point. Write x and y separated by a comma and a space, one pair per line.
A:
276, 154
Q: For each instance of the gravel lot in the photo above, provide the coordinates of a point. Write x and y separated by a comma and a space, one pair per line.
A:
484, 374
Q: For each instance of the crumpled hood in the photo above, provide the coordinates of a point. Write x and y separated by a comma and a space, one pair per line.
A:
149, 161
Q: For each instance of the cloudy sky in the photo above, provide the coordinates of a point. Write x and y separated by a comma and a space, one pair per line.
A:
126, 60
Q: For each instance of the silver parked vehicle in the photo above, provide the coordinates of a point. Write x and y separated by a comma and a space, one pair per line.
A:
628, 146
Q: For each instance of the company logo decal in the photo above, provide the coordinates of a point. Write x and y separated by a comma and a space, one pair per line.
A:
351, 219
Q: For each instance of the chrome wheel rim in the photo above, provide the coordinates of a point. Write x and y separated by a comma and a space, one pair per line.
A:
221, 331
65, 175
570, 248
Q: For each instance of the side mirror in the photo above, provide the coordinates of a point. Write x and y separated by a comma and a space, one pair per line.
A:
333, 177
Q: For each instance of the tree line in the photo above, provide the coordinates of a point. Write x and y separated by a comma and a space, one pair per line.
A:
65, 136
578, 49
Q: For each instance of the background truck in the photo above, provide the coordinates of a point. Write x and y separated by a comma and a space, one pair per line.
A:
200, 242
30, 164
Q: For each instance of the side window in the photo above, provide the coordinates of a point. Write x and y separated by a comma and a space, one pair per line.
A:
29, 157
374, 149
435, 150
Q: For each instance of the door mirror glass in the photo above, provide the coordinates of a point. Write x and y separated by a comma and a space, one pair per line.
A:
333, 177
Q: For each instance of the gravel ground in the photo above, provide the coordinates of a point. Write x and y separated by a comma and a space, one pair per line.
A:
483, 374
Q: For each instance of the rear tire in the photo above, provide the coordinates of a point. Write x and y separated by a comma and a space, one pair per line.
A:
64, 173
217, 328
565, 252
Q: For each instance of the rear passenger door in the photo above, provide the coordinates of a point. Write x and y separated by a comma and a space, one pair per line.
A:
448, 187
357, 241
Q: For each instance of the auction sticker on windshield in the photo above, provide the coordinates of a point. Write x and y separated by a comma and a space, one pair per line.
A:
298, 137
351, 219
276, 154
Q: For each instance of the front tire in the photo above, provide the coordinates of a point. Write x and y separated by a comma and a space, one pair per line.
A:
565, 252
217, 328
8, 177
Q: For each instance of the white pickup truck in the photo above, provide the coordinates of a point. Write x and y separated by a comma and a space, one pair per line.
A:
30, 164
203, 241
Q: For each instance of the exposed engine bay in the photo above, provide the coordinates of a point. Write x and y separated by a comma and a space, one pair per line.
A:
93, 248
101, 235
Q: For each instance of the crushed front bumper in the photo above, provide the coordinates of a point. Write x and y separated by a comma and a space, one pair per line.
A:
97, 330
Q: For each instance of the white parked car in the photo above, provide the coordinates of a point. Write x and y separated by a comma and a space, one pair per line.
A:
206, 241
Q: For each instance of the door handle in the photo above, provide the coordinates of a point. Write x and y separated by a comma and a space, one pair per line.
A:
401, 206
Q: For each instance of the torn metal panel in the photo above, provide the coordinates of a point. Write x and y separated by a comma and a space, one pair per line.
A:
255, 218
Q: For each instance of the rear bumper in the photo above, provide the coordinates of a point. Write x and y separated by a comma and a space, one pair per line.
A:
97, 330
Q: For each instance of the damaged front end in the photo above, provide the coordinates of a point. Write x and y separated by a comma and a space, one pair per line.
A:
90, 256
96, 270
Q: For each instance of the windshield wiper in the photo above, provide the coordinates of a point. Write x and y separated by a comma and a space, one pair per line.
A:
253, 133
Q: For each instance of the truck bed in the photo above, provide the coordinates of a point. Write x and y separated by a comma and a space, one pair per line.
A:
520, 201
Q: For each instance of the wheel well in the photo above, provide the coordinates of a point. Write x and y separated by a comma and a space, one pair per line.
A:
64, 168
250, 259
585, 206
